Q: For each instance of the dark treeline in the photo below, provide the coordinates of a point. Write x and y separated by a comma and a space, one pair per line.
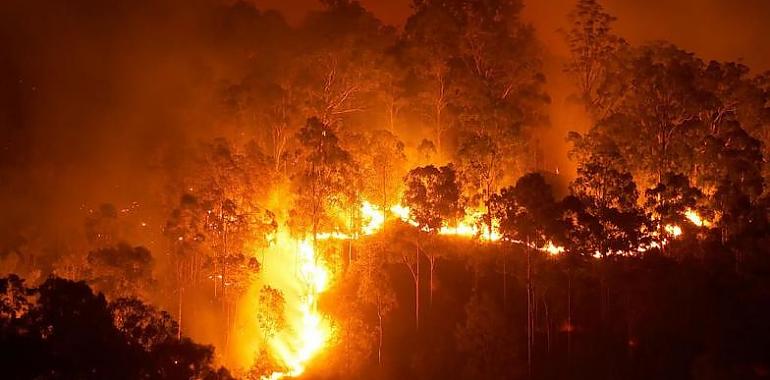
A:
62, 330
658, 262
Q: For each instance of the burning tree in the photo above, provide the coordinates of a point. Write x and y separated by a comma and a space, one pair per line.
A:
271, 315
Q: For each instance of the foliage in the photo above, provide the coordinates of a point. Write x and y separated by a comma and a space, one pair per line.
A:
271, 315
433, 196
66, 331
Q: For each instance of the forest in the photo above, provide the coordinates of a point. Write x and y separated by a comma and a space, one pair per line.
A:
204, 190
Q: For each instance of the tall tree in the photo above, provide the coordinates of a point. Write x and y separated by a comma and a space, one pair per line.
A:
592, 45
121, 271
324, 177
528, 214
375, 288
433, 197
480, 162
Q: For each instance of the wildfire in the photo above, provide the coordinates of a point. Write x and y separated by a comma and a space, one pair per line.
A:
473, 226
552, 249
673, 230
307, 331
403, 213
375, 217
696, 219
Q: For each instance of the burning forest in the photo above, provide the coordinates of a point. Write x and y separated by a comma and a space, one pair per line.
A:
212, 189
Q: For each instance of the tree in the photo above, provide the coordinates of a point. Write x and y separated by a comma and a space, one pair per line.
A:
383, 163
271, 314
731, 174
121, 271
429, 43
186, 231
141, 324
480, 164
475, 66
592, 45
322, 181
498, 79
374, 288
433, 197
14, 299
658, 103
670, 200
609, 195
482, 340
528, 214
70, 332
344, 46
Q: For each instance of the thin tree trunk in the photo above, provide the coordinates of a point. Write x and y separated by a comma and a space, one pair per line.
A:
379, 346
432, 261
417, 288
569, 319
505, 282
179, 328
350, 241
530, 332
547, 325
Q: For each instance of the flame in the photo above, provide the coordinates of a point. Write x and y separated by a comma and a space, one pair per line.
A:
473, 226
311, 332
673, 230
293, 267
374, 216
696, 219
404, 213
552, 249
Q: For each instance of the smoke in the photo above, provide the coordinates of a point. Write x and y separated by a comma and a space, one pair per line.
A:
91, 93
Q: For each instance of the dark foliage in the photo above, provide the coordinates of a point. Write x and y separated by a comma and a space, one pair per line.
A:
62, 330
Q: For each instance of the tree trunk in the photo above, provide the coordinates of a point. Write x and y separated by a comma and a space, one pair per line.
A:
505, 282
569, 319
432, 261
530, 311
179, 328
379, 345
417, 288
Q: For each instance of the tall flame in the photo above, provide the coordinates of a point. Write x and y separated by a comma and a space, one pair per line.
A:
307, 331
